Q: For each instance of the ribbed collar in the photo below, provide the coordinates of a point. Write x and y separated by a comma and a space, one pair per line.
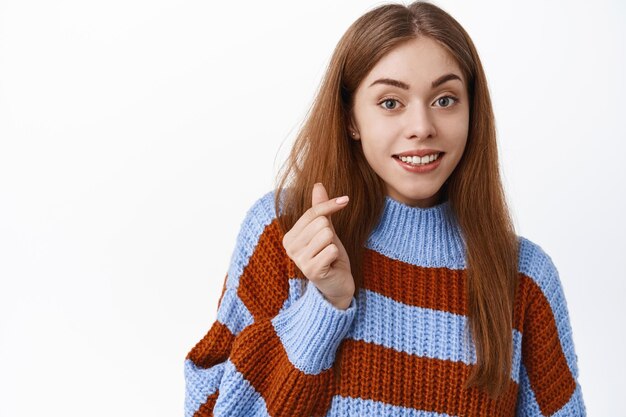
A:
421, 236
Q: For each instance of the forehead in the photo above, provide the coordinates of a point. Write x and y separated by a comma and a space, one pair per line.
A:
417, 62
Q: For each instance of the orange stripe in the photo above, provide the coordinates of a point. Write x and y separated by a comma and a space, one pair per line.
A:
206, 409
264, 283
435, 288
443, 289
378, 373
214, 347
548, 372
521, 301
375, 372
260, 357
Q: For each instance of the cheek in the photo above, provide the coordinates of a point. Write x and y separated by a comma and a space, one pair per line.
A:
455, 126
377, 137
375, 155
373, 120
455, 135
370, 150
456, 152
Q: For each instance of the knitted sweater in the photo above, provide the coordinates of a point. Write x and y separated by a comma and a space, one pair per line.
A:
405, 341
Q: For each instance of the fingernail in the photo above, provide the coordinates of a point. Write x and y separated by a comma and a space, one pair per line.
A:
342, 200
317, 183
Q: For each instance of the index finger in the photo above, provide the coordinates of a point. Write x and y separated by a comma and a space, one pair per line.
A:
322, 209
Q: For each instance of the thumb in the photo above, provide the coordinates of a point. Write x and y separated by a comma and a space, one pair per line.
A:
319, 193
319, 196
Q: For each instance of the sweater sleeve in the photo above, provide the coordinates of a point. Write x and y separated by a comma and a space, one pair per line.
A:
271, 350
549, 371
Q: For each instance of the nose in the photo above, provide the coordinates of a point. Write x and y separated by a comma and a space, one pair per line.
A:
419, 122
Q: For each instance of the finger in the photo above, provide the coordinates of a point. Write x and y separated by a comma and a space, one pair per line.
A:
324, 260
325, 210
304, 238
319, 194
322, 239
322, 208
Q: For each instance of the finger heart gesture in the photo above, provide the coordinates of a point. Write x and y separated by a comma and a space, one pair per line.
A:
316, 249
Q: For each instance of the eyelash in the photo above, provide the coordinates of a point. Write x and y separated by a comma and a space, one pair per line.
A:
456, 100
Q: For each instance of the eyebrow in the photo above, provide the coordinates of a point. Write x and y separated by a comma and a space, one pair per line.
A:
395, 83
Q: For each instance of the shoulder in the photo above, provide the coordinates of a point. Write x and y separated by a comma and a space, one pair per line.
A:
259, 234
257, 217
260, 214
538, 266
257, 282
260, 268
533, 260
546, 312
262, 211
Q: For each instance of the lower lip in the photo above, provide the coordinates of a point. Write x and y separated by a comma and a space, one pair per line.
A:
424, 168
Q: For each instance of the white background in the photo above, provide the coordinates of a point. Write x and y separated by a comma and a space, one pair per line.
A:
134, 136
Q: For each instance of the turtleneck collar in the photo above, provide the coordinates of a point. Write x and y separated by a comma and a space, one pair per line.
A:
427, 237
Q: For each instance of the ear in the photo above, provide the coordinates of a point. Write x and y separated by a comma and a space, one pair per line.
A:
352, 131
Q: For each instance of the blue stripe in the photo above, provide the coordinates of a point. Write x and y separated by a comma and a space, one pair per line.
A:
420, 331
526, 401
260, 215
517, 356
427, 237
296, 289
312, 329
200, 383
575, 407
347, 406
239, 396
233, 313
538, 265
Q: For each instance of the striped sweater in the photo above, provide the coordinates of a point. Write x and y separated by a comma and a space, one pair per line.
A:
405, 343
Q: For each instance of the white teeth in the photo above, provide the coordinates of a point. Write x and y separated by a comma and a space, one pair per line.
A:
416, 160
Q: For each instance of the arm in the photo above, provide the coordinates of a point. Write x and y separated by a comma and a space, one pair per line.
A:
549, 373
272, 348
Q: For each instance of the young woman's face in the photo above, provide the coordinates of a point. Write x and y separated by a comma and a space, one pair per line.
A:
402, 107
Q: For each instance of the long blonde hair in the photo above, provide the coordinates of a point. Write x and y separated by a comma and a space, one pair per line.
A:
323, 152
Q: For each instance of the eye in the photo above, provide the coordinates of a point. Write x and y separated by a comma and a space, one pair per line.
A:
446, 100
386, 100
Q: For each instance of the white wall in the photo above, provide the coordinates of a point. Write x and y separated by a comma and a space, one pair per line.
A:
134, 135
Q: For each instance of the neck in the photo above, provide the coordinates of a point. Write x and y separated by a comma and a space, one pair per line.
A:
427, 237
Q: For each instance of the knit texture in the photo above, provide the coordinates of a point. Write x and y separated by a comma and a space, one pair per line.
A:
405, 340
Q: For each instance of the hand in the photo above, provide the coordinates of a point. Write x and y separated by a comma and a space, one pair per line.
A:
315, 248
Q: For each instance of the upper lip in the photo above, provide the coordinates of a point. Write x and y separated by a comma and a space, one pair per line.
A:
419, 152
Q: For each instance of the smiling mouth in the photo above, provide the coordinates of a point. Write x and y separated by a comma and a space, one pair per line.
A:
439, 156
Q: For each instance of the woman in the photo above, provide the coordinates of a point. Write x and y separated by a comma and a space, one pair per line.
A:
417, 296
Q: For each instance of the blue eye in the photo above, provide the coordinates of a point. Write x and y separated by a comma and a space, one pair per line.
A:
443, 101
385, 100
447, 98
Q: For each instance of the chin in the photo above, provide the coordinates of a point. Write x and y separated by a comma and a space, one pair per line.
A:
422, 194
417, 199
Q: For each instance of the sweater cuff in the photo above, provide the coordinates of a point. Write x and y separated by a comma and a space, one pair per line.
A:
311, 330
